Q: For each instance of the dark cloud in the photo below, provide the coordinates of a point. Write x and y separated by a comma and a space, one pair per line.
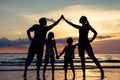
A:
63, 40
107, 46
21, 43
103, 37
18, 43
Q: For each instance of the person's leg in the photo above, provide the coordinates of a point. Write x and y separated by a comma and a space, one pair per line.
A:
52, 64
39, 59
65, 67
72, 67
91, 54
66, 72
45, 64
29, 59
82, 57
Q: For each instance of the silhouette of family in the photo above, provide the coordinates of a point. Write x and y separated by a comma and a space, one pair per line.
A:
39, 40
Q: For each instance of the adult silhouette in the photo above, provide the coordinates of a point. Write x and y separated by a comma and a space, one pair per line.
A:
84, 43
37, 43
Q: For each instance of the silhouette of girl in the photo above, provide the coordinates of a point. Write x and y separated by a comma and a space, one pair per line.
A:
50, 50
84, 43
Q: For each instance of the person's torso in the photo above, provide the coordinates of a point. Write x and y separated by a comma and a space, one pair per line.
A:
83, 34
69, 51
39, 34
50, 47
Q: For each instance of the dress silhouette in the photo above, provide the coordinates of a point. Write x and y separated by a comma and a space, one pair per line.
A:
84, 43
50, 53
37, 43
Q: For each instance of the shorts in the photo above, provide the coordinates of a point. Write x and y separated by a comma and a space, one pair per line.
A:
85, 46
68, 60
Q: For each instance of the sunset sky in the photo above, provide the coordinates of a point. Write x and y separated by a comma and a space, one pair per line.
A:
16, 16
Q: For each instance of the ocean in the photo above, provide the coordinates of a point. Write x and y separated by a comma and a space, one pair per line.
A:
16, 62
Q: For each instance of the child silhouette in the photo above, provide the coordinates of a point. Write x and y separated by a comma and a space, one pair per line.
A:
50, 49
68, 57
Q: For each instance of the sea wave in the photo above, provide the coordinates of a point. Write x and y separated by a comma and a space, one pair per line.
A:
16, 62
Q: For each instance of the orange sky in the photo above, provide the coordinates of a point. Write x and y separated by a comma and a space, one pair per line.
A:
104, 16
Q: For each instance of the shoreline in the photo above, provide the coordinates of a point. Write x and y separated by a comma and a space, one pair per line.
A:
92, 74
60, 69
12, 66
75, 53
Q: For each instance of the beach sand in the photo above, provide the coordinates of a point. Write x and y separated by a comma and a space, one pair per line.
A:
91, 74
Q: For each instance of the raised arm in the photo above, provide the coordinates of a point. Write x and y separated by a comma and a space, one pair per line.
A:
70, 23
54, 24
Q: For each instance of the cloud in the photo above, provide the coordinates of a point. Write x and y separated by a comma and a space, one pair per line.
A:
22, 43
100, 18
107, 46
18, 43
102, 46
103, 37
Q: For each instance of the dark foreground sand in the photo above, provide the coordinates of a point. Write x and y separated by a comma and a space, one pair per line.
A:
92, 74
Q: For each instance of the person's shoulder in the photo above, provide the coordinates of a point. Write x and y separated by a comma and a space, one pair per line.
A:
88, 26
54, 40
36, 25
66, 47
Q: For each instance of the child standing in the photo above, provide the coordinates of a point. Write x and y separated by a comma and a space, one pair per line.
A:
50, 49
68, 57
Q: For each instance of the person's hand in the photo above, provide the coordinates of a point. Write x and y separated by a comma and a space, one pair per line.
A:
63, 17
57, 57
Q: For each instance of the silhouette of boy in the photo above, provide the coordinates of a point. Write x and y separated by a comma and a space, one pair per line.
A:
68, 57
37, 42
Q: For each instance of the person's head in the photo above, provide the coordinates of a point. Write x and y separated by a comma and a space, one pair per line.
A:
83, 19
69, 41
43, 21
50, 35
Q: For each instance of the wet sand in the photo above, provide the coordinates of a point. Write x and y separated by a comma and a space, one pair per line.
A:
91, 74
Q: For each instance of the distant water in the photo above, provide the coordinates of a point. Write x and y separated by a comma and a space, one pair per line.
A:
10, 62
